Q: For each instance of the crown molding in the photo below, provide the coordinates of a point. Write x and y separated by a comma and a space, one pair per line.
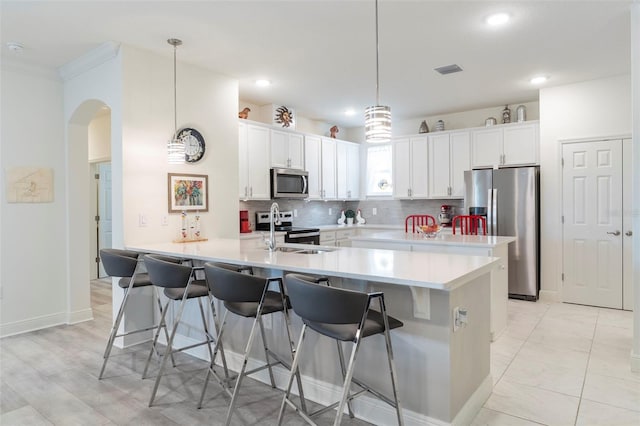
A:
101, 54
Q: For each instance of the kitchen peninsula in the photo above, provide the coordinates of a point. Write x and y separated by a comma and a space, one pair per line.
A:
476, 245
442, 361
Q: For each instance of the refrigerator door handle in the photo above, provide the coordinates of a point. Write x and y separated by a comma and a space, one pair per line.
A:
493, 197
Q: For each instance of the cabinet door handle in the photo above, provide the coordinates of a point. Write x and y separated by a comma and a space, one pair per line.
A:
251, 191
616, 233
628, 233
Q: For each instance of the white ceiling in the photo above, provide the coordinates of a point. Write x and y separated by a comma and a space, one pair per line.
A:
320, 55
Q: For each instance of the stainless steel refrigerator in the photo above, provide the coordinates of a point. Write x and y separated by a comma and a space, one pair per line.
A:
510, 200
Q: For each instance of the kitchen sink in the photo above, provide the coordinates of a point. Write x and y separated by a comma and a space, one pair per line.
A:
315, 251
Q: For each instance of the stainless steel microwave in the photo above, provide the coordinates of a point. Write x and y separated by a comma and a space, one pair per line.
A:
289, 183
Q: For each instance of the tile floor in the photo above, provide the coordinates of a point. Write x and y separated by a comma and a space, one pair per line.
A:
556, 364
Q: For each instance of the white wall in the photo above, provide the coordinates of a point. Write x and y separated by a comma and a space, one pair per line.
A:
464, 119
33, 262
582, 110
207, 102
100, 137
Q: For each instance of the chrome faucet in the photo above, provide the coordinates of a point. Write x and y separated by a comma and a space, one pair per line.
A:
274, 219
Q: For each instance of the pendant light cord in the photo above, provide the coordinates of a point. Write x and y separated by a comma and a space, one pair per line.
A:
175, 96
377, 62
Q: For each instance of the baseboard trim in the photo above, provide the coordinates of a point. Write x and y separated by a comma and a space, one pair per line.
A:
80, 316
473, 405
32, 324
550, 296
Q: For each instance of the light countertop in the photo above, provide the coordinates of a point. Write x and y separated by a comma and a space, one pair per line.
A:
427, 270
444, 239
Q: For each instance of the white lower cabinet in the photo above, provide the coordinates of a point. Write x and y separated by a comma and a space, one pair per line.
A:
327, 238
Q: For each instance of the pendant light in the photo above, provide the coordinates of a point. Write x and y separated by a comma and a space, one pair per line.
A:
175, 147
377, 119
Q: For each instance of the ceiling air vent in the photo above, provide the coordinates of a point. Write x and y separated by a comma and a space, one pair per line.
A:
448, 69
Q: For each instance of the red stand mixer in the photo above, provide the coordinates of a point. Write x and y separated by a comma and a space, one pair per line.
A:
446, 215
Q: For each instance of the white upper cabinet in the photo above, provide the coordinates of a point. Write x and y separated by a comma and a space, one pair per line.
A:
329, 169
448, 159
253, 159
508, 145
287, 150
320, 162
313, 165
348, 170
410, 167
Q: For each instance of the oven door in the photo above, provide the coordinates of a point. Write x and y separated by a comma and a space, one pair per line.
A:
312, 237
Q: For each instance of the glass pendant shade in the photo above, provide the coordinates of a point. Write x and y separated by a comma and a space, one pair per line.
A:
377, 124
175, 150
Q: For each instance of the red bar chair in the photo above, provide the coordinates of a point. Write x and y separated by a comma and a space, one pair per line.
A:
417, 220
470, 224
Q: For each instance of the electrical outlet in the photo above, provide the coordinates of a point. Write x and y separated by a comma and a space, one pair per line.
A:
295, 212
330, 211
460, 318
374, 211
164, 220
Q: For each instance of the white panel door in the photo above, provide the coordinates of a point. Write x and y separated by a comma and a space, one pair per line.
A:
104, 212
592, 210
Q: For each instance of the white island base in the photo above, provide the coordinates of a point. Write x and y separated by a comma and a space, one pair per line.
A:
443, 375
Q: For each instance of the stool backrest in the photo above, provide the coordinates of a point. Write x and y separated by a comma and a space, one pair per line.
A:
119, 263
321, 303
229, 285
414, 220
165, 272
470, 224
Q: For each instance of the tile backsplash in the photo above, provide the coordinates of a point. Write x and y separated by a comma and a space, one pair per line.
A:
316, 213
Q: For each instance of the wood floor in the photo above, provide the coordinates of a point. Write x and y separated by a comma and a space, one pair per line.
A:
50, 377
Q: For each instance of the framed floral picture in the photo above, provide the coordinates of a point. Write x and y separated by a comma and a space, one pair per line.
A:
188, 192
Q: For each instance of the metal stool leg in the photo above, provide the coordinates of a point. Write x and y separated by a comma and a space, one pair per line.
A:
155, 339
392, 365
292, 373
169, 346
211, 364
114, 330
164, 326
244, 366
342, 368
347, 381
266, 351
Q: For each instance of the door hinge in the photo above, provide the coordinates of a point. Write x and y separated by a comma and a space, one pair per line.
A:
562, 162
97, 176
563, 276
562, 219
97, 218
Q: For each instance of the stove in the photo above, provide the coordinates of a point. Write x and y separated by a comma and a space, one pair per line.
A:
293, 234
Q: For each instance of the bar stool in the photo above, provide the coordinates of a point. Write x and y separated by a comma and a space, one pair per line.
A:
346, 316
470, 224
418, 220
124, 264
248, 296
180, 284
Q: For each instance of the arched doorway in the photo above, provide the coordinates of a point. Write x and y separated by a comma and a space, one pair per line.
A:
79, 209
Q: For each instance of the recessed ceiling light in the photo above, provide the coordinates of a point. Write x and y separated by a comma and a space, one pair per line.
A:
350, 112
498, 19
263, 83
538, 80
